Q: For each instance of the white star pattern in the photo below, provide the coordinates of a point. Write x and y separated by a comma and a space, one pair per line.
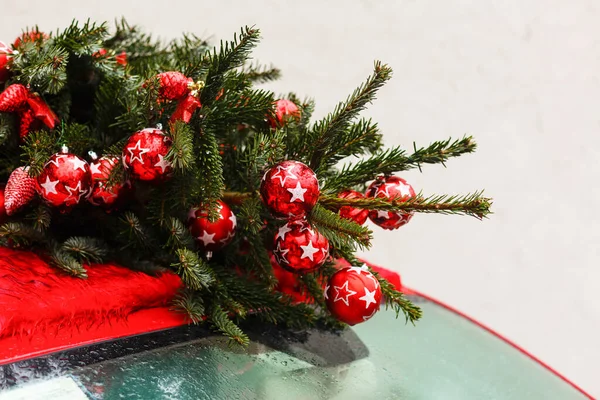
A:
72, 193
49, 186
366, 317
233, 220
358, 270
368, 274
383, 214
282, 231
344, 297
325, 292
192, 213
280, 253
95, 168
404, 189
139, 150
288, 174
368, 298
206, 238
229, 236
308, 251
162, 163
78, 163
297, 193
55, 161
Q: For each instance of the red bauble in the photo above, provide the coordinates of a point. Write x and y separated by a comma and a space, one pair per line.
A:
5, 51
357, 215
65, 180
284, 110
144, 155
173, 85
212, 236
390, 187
20, 190
290, 189
101, 195
299, 248
353, 295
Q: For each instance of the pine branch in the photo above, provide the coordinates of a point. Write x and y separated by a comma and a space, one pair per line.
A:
263, 151
191, 304
87, 249
395, 159
473, 204
231, 55
194, 272
67, 263
20, 234
210, 177
261, 74
180, 236
398, 301
181, 154
221, 322
339, 231
320, 140
84, 40
134, 231
41, 217
43, 67
37, 149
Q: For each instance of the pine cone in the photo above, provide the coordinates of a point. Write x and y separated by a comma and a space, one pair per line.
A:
173, 85
13, 98
19, 191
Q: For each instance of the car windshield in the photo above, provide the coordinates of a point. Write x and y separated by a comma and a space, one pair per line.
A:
444, 357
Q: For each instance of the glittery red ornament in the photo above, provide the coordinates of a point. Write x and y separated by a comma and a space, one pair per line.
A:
212, 236
284, 110
185, 109
101, 194
32, 110
20, 190
357, 215
31, 36
65, 180
353, 295
173, 85
144, 155
290, 189
5, 53
14, 98
390, 187
299, 248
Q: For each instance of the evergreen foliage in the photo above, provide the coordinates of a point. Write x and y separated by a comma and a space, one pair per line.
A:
222, 153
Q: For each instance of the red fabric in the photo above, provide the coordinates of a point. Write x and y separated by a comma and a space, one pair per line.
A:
36, 300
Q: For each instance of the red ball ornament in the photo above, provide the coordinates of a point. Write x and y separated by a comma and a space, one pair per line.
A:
144, 155
65, 180
100, 169
173, 85
20, 190
284, 110
299, 248
357, 215
353, 295
390, 187
212, 236
290, 189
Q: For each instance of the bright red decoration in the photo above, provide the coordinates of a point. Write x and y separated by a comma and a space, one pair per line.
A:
5, 53
357, 215
353, 295
65, 179
284, 110
14, 98
2, 209
212, 236
299, 248
29, 37
32, 110
185, 109
20, 190
290, 189
121, 58
101, 194
390, 187
144, 155
173, 85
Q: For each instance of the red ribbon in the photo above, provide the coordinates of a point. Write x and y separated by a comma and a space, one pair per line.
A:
30, 107
185, 109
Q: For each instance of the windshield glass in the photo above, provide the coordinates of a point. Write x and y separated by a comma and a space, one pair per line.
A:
444, 357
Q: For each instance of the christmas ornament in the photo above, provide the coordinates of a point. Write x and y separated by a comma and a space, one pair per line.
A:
290, 189
173, 85
144, 155
185, 109
390, 187
100, 193
214, 235
299, 248
65, 179
357, 215
32, 110
284, 110
121, 58
5, 53
353, 295
30, 37
20, 190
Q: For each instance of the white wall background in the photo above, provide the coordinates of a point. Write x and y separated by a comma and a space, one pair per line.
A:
522, 76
